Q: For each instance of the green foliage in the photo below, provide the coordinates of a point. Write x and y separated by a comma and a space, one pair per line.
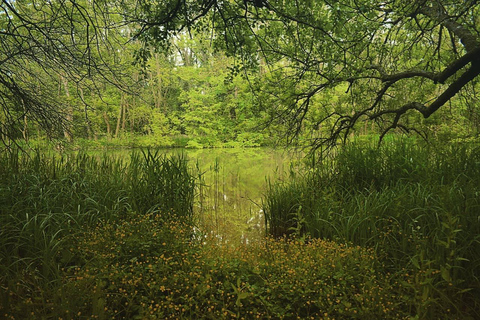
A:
416, 206
157, 183
142, 92
45, 198
148, 267
73, 245
330, 67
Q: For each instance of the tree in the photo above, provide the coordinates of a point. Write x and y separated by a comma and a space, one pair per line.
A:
394, 59
46, 48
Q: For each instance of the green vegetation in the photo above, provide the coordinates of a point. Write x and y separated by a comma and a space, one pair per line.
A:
247, 73
45, 199
101, 237
368, 232
146, 270
416, 205
147, 267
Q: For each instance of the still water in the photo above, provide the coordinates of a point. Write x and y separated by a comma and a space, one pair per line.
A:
232, 184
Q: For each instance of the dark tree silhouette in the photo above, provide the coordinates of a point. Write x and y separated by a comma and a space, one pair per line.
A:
43, 44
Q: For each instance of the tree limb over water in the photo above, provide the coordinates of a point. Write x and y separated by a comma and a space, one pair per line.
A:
327, 66
45, 44
392, 58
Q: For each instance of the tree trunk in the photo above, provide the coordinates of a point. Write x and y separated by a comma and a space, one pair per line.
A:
90, 131
124, 115
133, 107
159, 94
233, 112
25, 123
119, 118
107, 122
67, 129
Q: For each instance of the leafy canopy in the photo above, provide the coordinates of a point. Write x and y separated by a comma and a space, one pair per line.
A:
389, 59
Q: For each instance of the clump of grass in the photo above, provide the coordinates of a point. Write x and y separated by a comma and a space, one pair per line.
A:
417, 207
44, 198
148, 267
157, 183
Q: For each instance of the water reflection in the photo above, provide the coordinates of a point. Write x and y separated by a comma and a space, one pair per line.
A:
231, 183
231, 187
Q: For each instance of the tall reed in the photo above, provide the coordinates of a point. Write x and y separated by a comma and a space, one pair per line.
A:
44, 198
417, 206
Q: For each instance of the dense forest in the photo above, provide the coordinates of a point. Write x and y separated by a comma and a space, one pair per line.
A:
237, 73
377, 218
188, 96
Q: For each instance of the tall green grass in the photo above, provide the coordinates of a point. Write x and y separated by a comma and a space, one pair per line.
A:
45, 198
417, 206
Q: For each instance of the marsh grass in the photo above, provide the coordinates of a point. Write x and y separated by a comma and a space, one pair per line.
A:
158, 183
418, 207
45, 198
102, 237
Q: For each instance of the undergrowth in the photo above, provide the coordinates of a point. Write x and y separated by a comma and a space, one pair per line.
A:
415, 205
44, 198
150, 268
388, 233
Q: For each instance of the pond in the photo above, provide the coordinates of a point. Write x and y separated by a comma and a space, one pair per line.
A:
231, 185
231, 188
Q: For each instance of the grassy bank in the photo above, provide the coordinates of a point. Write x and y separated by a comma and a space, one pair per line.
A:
96, 237
374, 234
46, 199
147, 267
416, 206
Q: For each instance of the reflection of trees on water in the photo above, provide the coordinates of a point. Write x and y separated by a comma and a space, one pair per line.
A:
234, 182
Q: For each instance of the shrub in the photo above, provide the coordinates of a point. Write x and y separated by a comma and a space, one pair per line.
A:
45, 198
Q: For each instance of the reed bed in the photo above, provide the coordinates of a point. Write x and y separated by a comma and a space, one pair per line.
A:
417, 206
44, 199
389, 233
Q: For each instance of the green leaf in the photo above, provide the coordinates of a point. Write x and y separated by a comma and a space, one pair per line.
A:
445, 274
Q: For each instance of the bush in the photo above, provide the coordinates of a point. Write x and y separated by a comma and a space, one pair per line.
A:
43, 199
